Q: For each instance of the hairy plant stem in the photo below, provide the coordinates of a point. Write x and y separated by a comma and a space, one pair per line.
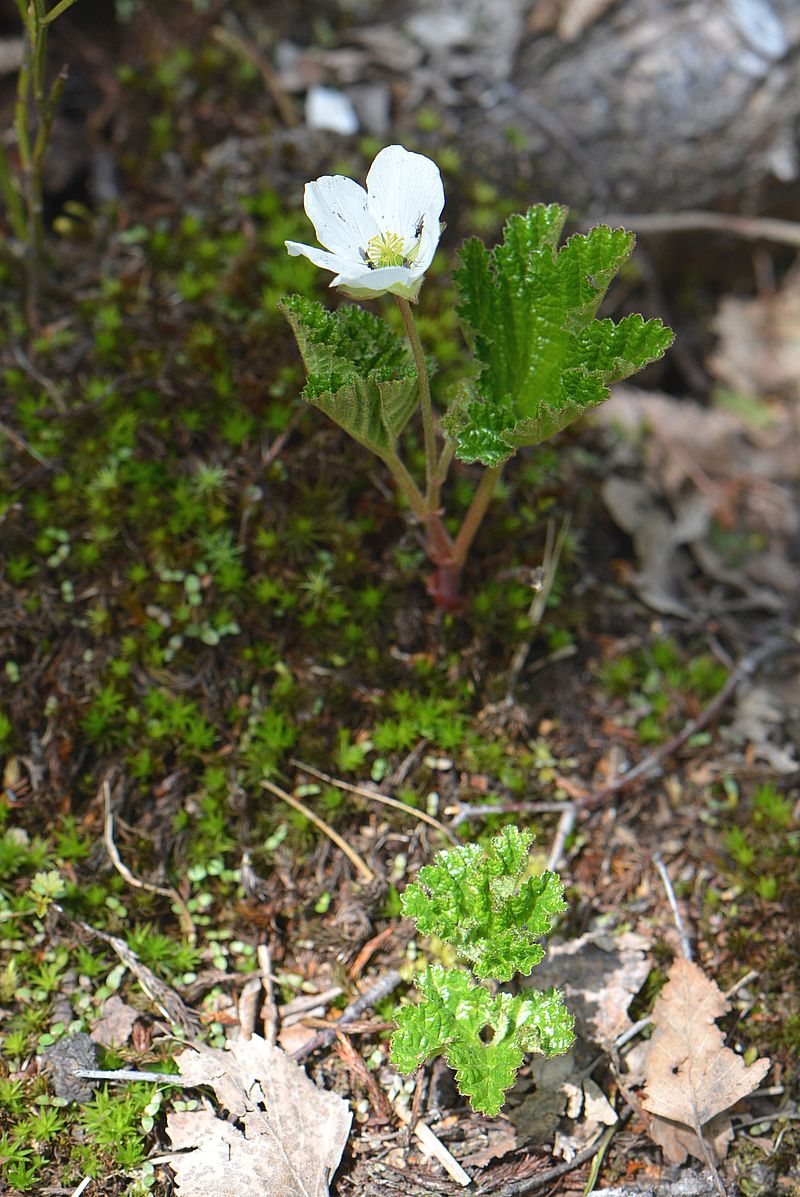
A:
426, 407
33, 97
447, 555
475, 513
442, 468
438, 542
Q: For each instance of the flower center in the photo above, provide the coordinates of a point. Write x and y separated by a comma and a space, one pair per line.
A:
386, 249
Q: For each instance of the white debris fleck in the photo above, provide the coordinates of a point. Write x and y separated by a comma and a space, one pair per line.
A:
329, 109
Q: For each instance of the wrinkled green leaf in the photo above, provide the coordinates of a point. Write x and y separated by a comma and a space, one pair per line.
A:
359, 372
528, 311
478, 902
483, 1038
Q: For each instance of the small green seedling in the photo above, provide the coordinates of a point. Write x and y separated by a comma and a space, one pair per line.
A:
483, 904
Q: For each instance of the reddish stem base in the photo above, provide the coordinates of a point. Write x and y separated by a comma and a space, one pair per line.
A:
443, 586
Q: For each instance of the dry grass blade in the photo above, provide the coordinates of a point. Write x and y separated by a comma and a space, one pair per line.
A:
374, 796
332, 835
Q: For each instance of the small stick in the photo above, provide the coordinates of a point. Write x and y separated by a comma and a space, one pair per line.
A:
464, 811
778, 1116
686, 947
164, 891
129, 1074
297, 1009
238, 44
355, 1065
752, 228
269, 1011
554, 546
170, 1003
745, 668
44, 382
435, 1147
21, 443
376, 993
409, 761
364, 792
340, 843
368, 950
247, 1006
84, 1183
563, 832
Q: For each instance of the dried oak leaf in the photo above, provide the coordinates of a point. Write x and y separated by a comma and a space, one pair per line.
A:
691, 1076
113, 1028
284, 1136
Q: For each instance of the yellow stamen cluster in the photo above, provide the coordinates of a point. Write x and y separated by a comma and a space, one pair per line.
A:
386, 249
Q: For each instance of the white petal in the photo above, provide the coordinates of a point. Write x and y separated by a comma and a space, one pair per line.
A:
321, 257
431, 232
397, 280
406, 189
337, 208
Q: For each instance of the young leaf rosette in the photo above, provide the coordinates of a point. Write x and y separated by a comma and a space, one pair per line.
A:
487, 905
382, 239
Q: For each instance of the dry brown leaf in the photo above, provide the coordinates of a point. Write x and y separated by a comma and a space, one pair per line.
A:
285, 1136
759, 348
678, 1142
691, 1076
113, 1028
600, 974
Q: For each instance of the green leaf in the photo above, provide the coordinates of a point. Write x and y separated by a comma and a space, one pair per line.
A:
615, 351
359, 372
483, 1038
371, 411
478, 902
450, 999
528, 312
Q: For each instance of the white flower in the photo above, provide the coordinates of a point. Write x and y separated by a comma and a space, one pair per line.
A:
381, 239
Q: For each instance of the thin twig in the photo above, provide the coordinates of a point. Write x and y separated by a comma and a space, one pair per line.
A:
374, 796
435, 1147
376, 993
553, 548
247, 1006
686, 947
744, 669
44, 382
324, 827
753, 228
777, 1116
368, 950
353, 1062
165, 891
22, 444
480, 810
269, 1010
170, 1003
129, 1074
564, 830
238, 44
